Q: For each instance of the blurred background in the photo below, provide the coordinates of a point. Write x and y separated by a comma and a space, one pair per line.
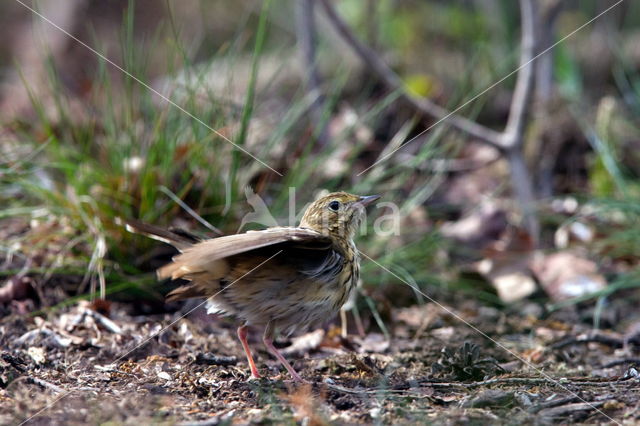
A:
526, 194
505, 136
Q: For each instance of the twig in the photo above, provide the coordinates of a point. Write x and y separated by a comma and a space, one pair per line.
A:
562, 382
564, 411
544, 94
546, 35
44, 384
513, 136
495, 381
553, 403
596, 338
614, 342
395, 83
622, 361
514, 130
352, 391
306, 35
457, 165
509, 142
532, 381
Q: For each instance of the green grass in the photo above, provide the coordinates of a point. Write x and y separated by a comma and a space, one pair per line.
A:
126, 154
123, 153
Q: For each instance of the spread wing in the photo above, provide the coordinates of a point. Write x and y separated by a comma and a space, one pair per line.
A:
209, 263
205, 257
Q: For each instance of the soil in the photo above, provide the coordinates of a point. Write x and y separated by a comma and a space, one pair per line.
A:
98, 362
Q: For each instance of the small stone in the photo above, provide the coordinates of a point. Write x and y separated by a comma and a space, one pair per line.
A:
37, 354
375, 412
164, 375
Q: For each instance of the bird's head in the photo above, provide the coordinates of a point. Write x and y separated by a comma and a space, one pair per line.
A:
337, 215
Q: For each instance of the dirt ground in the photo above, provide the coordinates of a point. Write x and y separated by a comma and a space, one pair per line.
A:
97, 363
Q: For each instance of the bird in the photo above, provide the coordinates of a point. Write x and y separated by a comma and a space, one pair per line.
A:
282, 279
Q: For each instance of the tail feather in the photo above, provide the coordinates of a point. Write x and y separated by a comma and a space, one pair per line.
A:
171, 270
201, 285
188, 269
178, 238
195, 266
205, 278
188, 291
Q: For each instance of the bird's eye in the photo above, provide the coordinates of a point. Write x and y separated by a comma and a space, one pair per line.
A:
334, 205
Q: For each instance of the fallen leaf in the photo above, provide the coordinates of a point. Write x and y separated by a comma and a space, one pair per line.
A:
506, 265
565, 275
373, 342
478, 229
305, 342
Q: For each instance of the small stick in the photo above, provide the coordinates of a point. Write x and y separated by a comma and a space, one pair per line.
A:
596, 338
44, 384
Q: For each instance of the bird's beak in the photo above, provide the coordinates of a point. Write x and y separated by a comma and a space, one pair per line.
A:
366, 200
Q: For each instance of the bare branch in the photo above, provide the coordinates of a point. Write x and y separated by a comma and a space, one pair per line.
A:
514, 130
510, 141
513, 136
306, 35
395, 83
522, 187
547, 17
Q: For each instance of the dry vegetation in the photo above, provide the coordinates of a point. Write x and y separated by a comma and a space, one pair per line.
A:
509, 296
535, 371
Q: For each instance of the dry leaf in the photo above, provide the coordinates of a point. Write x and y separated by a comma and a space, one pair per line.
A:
565, 275
506, 266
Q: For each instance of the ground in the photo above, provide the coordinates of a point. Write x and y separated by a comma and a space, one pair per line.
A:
97, 363
529, 238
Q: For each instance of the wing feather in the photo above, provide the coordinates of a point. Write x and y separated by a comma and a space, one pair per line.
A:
178, 238
208, 257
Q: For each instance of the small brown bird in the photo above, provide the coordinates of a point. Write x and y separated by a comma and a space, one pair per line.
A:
282, 278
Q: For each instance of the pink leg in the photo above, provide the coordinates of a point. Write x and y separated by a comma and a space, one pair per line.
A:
242, 335
267, 338
268, 342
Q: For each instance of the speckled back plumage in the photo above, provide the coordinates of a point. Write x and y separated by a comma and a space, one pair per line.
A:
281, 278
295, 288
291, 277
